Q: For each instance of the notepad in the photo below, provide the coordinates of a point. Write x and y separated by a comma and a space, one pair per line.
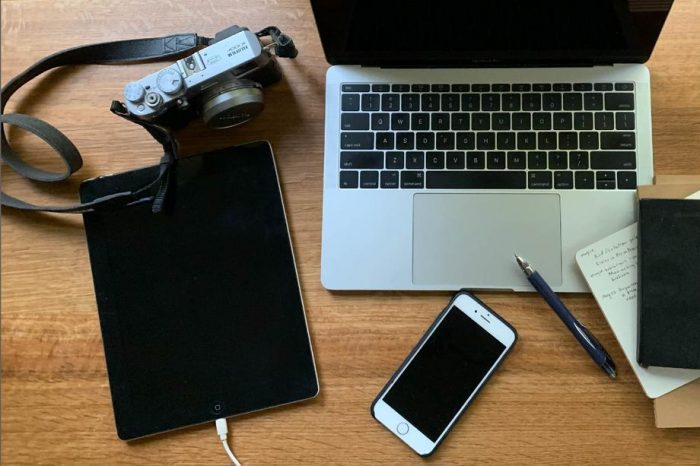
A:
610, 268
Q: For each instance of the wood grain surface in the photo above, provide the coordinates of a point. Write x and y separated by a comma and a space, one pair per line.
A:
548, 405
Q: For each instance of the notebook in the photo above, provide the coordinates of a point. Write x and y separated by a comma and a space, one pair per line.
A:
200, 307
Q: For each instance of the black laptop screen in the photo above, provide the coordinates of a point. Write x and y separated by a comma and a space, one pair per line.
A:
493, 32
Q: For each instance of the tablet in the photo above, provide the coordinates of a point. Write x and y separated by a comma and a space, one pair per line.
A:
200, 307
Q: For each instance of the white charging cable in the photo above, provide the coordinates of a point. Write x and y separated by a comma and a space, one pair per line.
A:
222, 430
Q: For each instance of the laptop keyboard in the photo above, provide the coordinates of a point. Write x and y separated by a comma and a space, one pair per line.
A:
488, 136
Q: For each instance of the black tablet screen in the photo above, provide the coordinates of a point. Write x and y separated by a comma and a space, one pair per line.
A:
200, 307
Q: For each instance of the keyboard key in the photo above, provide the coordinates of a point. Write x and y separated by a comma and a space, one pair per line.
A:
440, 121
369, 180
568, 140
354, 121
420, 88
400, 121
390, 102
563, 180
547, 140
604, 120
455, 161
348, 179
420, 121
614, 160
480, 87
394, 160
500, 121
505, 141
370, 102
380, 121
500, 87
476, 160
572, 101
551, 102
626, 180
603, 86
415, 160
385, 140
355, 88
588, 140
527, 141
532, 102
521, 88
542, 87
449, 102
485, 141
521, 121
557, 160
460, 121
430, 102
389, 179
605, 176
356, 140
480, 121
475, 179
350, 102
425, 141
617, 140
542, 121
593, 101
496, 160
583, 120
440, 88
619, 101
539, 180
465, 140
405, 141
561, 120
624, 86
624, 120
516, 160
460, 88
445, 141
435, 160
537, 160
364, 159
584, 180
381, 88
511, 102
400, 88
490, 102
412, 180
562, 87
410, 102
583, 86
605, 184
471, 102
578, 160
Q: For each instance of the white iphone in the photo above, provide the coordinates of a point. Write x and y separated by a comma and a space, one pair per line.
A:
443, 374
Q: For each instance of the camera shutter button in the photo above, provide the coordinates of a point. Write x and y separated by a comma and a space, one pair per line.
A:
134, 92
169, 81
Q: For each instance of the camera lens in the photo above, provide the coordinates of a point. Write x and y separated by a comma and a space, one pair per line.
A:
232, 103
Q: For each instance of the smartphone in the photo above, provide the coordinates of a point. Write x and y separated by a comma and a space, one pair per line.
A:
444, 373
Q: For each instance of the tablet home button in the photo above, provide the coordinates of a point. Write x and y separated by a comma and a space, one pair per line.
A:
402, 428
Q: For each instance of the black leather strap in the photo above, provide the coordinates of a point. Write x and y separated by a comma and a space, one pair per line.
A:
120, 52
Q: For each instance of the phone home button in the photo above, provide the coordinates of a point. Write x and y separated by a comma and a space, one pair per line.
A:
402, 428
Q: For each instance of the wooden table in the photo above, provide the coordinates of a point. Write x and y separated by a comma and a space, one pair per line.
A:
548, 405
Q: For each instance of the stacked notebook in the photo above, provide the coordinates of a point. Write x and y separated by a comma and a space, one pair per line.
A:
645, 278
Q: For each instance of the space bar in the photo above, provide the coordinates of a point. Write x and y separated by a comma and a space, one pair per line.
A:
476, 180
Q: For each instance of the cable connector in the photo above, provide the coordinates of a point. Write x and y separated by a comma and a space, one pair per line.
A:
222, 431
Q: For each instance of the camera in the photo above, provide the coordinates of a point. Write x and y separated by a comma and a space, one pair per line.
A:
222, 82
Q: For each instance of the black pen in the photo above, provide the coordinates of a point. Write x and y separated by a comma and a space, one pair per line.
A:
585, 337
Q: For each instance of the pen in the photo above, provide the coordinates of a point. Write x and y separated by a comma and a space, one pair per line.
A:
582, 334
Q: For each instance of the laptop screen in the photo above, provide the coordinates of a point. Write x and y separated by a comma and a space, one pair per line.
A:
489, 33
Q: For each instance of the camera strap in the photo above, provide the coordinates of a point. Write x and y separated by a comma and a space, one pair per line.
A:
107, 53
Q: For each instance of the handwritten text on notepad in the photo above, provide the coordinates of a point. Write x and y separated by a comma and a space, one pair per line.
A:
616, 263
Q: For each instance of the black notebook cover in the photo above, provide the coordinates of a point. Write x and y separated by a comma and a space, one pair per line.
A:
669, 283
200, 306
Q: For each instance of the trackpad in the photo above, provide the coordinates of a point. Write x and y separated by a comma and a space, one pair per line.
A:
468, 240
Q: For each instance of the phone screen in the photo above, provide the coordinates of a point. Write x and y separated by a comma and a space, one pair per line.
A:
444, 373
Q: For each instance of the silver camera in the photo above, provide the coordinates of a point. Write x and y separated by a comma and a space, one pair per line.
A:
222, 83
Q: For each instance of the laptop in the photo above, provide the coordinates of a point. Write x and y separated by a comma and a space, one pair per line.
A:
460, 133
